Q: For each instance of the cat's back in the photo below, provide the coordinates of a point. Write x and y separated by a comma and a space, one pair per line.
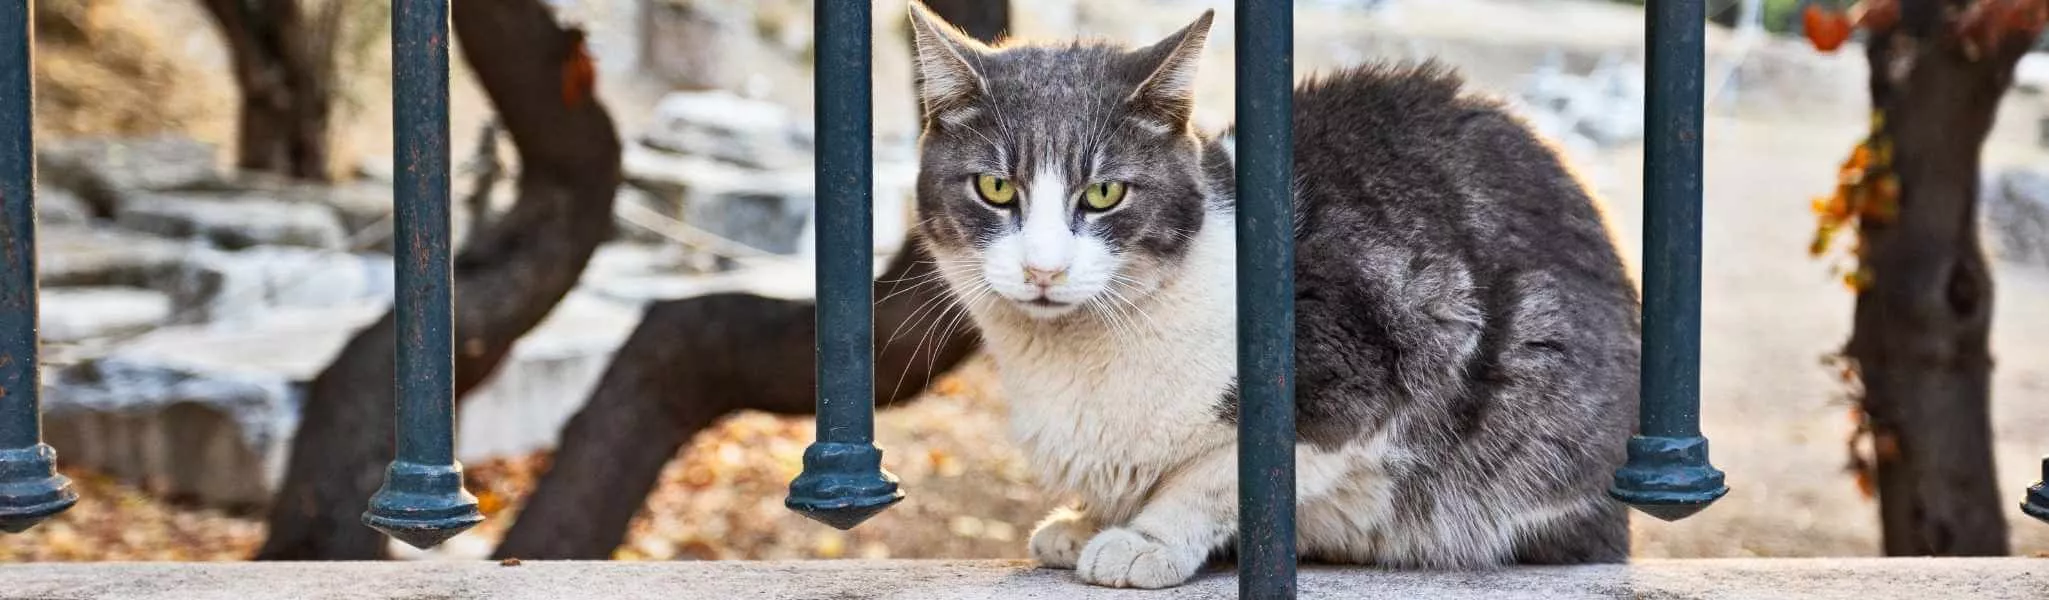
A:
1406, 152
1457, 291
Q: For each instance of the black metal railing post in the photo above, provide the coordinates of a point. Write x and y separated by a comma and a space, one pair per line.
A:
2036, 504
843, 482
30, 488
1266, 300
423, 502
1668, 474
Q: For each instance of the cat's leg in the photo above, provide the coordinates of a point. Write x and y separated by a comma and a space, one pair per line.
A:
1059, 538
1190, 514
1194, 513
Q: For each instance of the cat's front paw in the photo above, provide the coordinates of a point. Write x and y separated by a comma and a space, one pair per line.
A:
1124, 558
1058, 540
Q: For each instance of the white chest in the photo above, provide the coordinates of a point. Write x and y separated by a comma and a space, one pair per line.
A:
1104, 412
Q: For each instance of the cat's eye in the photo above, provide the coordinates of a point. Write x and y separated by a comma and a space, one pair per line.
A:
1103, 195
995, 190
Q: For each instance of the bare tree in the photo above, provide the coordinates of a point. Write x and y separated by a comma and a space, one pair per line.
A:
288, 58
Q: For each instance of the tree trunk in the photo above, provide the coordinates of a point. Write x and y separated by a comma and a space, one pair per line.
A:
506, 279
1920, 338
692, 361
287, 91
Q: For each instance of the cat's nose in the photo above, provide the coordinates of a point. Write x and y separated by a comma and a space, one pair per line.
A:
1045, 278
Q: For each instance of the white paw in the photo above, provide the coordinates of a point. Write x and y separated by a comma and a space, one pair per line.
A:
1123, 558
1058, 540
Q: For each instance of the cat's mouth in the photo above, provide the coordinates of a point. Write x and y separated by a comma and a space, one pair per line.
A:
1045, 308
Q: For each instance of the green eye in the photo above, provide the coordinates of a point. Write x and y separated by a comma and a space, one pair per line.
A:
995, 190
1103, 195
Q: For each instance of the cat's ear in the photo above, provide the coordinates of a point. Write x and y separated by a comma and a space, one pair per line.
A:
946, 79
1167, 96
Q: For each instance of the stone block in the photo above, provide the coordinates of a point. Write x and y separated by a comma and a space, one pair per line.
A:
724, 126
58, 206
104, 171
94, 256
74, 314
233, 223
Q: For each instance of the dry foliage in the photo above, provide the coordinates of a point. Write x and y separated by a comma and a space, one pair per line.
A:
1867, 190
722, 498
100, 70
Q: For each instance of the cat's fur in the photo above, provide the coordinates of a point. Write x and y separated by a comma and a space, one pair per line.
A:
1466, 334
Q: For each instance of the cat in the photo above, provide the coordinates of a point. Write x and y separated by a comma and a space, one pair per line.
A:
1466, 332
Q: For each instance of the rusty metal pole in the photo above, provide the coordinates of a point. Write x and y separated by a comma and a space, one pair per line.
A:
30, 488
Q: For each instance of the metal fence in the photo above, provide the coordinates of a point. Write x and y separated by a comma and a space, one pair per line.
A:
423, 502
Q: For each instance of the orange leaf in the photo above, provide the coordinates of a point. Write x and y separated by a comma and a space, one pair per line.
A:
1827, 29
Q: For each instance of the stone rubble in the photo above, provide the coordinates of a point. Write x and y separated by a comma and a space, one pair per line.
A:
188, 307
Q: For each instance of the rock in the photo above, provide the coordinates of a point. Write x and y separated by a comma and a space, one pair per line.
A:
1603, 108
378, 168
103, 171
669, 205
727, 127
213, 437
2016, 216
363, 207
2031, 74
83, 256
762, 209
215, 285
545, 379
695, 44
72, 314
768, 219
200, 412
206, 412
205, 284
56, 206
359, 205
233, 223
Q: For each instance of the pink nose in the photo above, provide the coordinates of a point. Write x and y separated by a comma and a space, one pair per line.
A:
1045, 277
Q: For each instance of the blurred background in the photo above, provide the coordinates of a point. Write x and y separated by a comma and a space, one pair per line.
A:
215, 201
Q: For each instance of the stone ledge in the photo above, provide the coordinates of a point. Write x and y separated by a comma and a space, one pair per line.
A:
1854, 578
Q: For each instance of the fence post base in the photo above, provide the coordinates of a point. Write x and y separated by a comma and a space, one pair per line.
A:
2037, 503
30, 488
422, 505
842, 485
1668, 477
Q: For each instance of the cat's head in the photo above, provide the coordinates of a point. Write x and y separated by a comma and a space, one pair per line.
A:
1057, 178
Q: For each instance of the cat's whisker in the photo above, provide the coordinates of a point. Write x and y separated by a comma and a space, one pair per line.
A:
960, 315
939, 268
1130, 285
960, 308
1118, 321
949, 303
917, 284
912, 320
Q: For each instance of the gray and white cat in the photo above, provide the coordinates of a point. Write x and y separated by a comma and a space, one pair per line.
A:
1466, 334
